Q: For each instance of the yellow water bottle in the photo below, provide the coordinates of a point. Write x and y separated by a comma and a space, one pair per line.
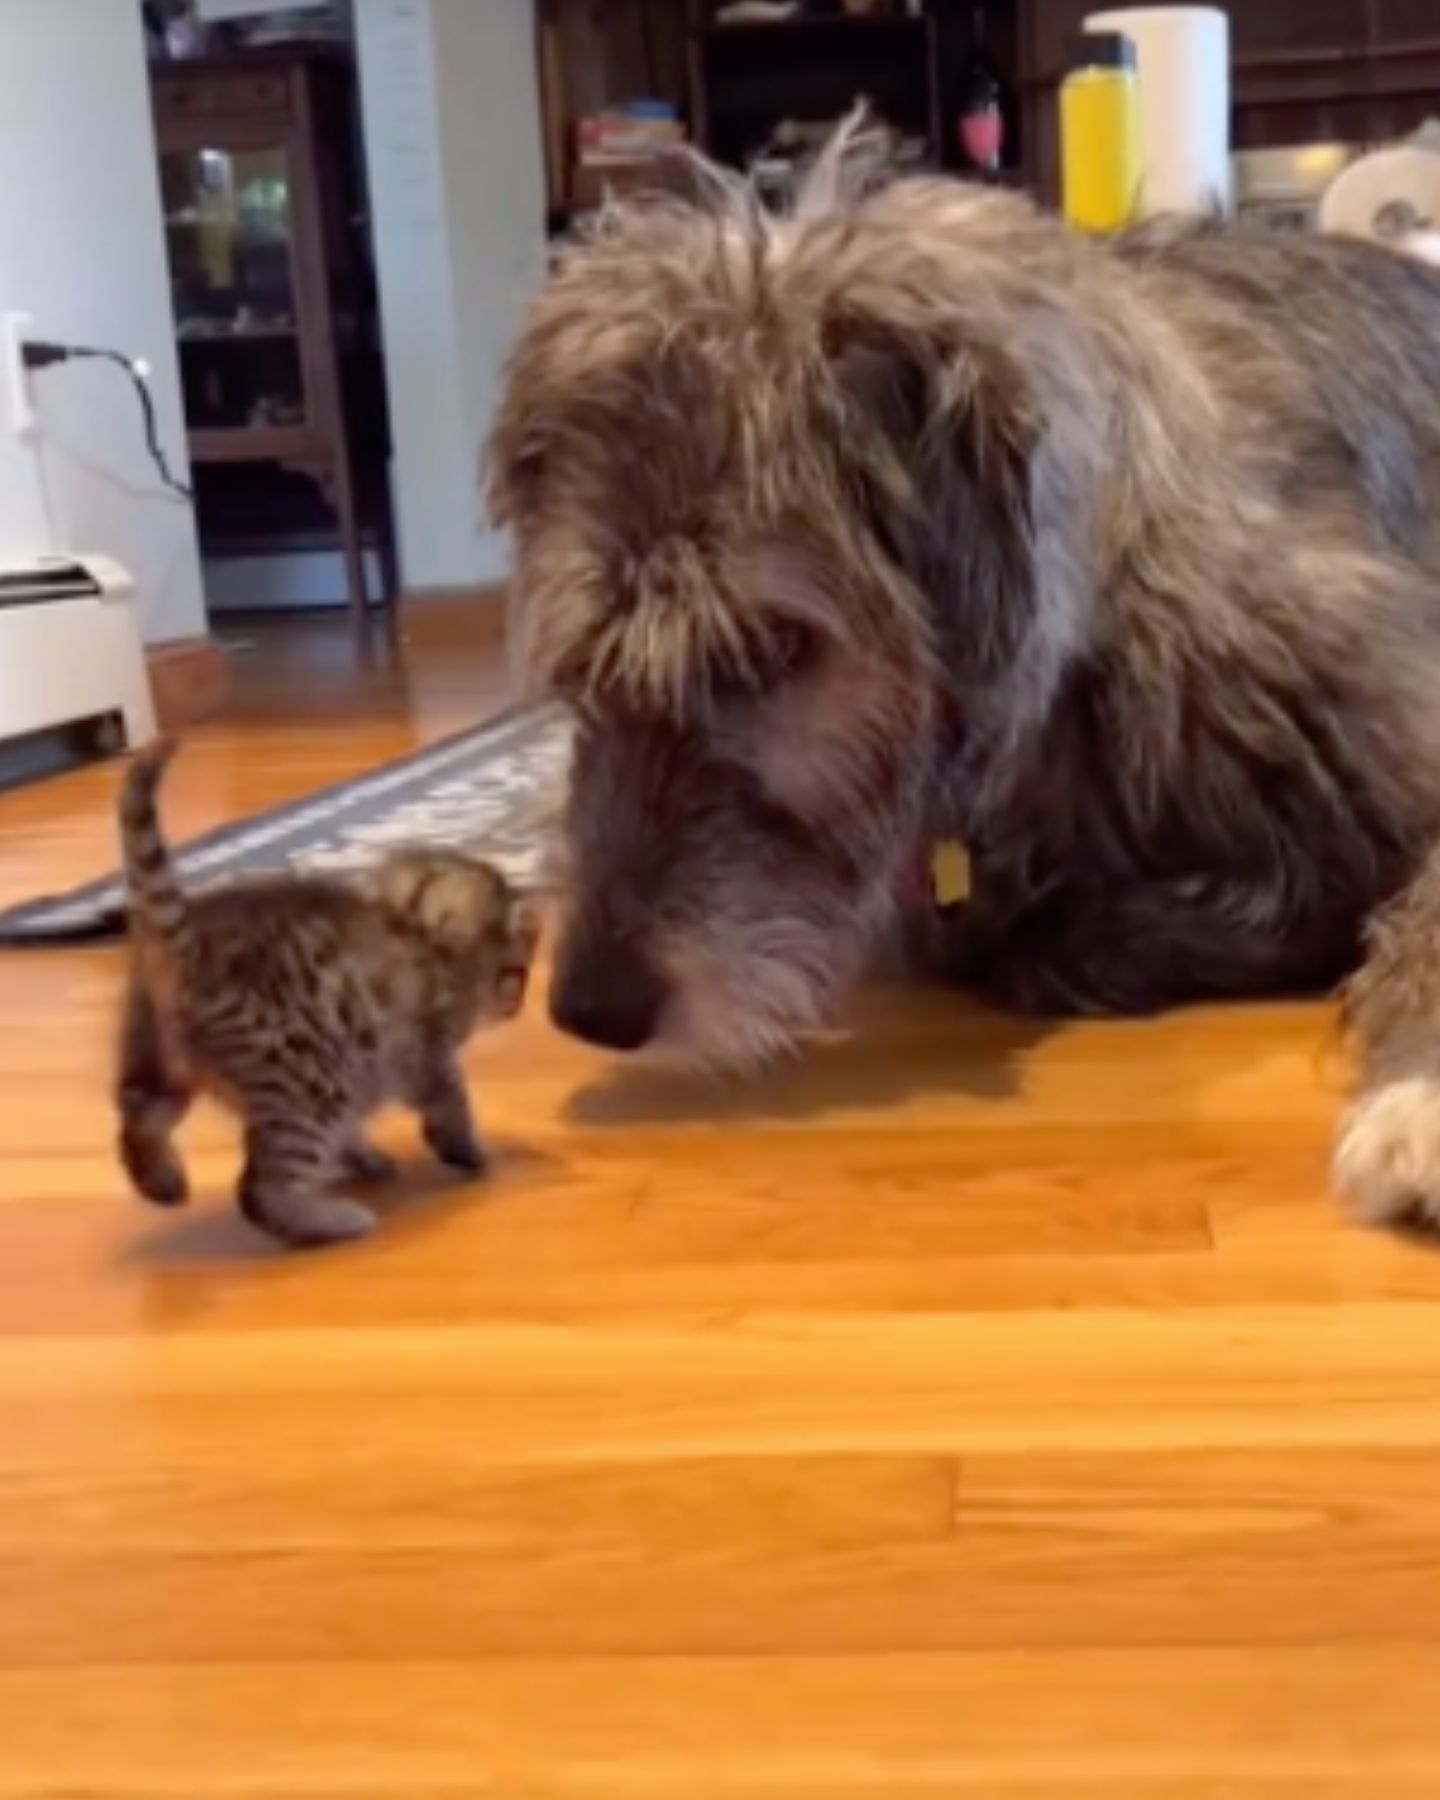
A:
1100, 132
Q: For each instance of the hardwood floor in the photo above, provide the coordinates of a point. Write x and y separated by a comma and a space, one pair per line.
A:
969, 1411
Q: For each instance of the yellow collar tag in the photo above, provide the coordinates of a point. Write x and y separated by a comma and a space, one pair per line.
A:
949, 872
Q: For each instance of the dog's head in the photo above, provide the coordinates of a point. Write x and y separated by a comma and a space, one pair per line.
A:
771, 486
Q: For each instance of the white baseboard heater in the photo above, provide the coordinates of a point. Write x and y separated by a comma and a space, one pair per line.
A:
70, 649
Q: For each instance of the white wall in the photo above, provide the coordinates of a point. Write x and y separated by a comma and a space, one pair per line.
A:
456, 169
82, 249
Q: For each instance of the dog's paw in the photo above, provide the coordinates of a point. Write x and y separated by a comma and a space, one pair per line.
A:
1387, 1154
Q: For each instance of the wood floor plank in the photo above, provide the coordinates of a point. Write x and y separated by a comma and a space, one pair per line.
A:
1177, 1723
434, 1559
1363, 1374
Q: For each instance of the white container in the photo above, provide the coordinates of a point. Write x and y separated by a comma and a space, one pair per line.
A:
1183, 57
1388, 195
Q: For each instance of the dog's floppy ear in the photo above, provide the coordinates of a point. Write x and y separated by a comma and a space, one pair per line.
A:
945, 439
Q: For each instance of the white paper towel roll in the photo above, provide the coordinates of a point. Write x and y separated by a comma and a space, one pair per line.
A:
1386, 195
1182, 54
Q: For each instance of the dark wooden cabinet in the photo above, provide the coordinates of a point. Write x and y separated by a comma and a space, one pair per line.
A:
274, 303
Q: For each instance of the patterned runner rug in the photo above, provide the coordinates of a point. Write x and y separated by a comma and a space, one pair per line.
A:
496, 790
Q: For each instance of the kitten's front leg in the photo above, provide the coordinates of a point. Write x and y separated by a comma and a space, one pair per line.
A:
290, 1158
446, 1118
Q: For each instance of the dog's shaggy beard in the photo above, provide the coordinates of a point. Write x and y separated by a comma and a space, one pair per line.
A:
737, 1008
741, 1000
709, 918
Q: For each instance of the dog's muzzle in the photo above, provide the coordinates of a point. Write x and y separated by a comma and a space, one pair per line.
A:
607, 996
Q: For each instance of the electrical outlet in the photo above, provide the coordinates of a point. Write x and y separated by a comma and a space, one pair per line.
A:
14, 330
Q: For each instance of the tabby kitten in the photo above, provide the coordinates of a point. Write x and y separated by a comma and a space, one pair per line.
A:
305, 1003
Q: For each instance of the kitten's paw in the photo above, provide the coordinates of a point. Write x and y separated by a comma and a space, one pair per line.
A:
166, 1186
159, 1179
1387, 1154
457, 1149
366, 1163
311, 1222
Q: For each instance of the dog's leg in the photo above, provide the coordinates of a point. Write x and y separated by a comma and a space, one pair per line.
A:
1145, 948
1387, 1153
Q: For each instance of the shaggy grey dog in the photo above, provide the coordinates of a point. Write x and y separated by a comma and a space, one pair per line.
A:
910, 515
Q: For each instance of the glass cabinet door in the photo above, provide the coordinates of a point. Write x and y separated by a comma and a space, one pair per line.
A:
232, 275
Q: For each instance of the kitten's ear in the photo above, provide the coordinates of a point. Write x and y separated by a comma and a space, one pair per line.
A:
452, 908
394, 882
435, 895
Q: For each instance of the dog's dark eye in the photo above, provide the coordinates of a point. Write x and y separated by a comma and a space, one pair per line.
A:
793, 648
729, 687
787, 652
527, 468
782, 654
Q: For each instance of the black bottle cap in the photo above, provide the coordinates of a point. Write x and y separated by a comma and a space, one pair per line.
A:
1100, 50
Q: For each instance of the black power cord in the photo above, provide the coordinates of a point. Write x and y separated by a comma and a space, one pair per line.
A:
38, 355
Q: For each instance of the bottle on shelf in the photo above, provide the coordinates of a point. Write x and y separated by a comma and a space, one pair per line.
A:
1100, 133
983, 101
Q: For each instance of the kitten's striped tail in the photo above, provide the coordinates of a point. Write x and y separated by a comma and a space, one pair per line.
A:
156, 901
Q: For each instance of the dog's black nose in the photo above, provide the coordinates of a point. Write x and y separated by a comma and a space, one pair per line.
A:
610, 999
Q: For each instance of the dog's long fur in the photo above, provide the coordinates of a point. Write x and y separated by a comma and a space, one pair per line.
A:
912, 515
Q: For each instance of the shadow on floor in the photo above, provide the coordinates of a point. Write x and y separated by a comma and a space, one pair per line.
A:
931, 1043
421, 1196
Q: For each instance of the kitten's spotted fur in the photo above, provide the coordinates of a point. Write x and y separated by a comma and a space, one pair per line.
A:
305, 1003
